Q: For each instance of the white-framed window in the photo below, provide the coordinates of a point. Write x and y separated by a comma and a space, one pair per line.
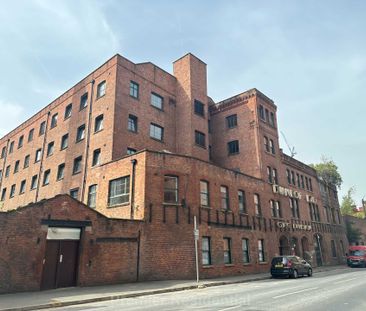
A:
101, 89
224, 191
204, 193
157, 101
261, 257
245, 249
119, 191
206, 251
171, 189
156, 131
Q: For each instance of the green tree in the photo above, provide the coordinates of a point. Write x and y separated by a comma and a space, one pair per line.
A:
328, 171
353, 234
348, 203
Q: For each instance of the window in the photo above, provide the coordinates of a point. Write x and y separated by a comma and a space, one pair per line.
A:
231, 121
206, 251
38, 155
68, 111
12, 191
314, 212
50, 148
204, 193
80, 135
42, 128
224, 197
272, 120
16, 167
272, 147
298, 179
92, 196
199, 108
269, 174
311, 185
98, 124
156, 131
157, 101
302, 182
132, 123
227, 251
96, 157
170, 189
261, 257
61, 171
294, 206
3, 152
119, 191
74, 193
245, 249
34, 182
134, 89
266, 144
77, 165
46, 177
11, 147
200, 139
3, 194
22, 187
275, 208
274, 175
293, 178
54, 120
233, 147
7, 171
20, 141
26, 161
83, 101
64, 141
30, 135
267, 114
333, 247
131, 151
342, 247
288, 175
242, 201
257, 204
261, 112
101, 89
326, 212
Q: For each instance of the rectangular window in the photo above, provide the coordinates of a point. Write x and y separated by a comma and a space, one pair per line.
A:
20, 141
204, 193
224, 197
242, 201
261, 113
83, 101
333, 247
77, 165
293, 181
245, 249
74, 193
311, 185
134, 89
132, 123
68, 111
302, 182
257, 204
3, 152
3, 194
200, 139
272, 146
261, 257
92, 196
306, 183
171, 189
64, 141
22, 187
101, 89
272, 119
30, 135
157, 101
12, 191
227, 251
96, 157
42, 128
119, 191
26, 161
80, 135
54, 120
298, 179
294, 206
156, 131
34, 182
266, 144
7, 171
269, 174
288, 175
50, 148
131, 151
206, 251
16, 167
267, 114
46, 177
275, 209
233, 147
199, 108
38, 155
231, 121
98, 124
11, 147
61, 171
274, 176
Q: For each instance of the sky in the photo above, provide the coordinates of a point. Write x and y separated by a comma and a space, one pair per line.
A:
308, 56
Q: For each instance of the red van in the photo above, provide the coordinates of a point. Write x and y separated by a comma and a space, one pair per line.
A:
357, 256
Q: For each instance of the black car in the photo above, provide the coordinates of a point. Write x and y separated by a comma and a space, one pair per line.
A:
290, 266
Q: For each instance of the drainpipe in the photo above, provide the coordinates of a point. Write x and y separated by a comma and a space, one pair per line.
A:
138, 256
133, 162
4, 164
87, 144
42, 154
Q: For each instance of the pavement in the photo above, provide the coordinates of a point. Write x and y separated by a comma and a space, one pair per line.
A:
79, 295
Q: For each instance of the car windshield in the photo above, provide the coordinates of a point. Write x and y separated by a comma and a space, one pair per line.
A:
357, 253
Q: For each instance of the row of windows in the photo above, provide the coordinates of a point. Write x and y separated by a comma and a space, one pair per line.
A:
156, 100
227, 251
101, 89
266, 116
299, 180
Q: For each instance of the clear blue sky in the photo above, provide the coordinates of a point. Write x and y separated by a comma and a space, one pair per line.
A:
308, 56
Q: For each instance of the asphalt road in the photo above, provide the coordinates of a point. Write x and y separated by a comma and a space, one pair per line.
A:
332, 290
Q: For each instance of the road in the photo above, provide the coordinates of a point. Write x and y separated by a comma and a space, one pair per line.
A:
332, 290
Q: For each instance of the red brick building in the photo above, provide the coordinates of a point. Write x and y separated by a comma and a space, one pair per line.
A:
139, 144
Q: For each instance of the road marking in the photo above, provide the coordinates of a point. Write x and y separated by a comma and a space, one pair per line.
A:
230, 308
299, 291
345, 280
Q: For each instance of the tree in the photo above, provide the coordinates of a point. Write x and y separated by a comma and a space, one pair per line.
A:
353, 234
348, 205
328, 171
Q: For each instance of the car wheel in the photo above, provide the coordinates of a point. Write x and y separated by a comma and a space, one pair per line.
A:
295, 274
310, 272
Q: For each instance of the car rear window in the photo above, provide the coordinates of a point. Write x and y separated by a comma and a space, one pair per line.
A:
277, 260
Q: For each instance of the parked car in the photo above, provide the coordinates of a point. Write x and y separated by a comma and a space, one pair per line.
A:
290, 266
356, 256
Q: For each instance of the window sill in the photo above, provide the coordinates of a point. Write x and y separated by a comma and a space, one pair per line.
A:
207, 266
206, 207
134, 97
270, 153
78, 141
119, 205
243, 213
76, 173
160, 141
200, 115
200, 146
226, 210
171, 204
247, 263
229, 265
67, 118
133, 132
233, 154
263, 263
98, 131
99, 97
157, 108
